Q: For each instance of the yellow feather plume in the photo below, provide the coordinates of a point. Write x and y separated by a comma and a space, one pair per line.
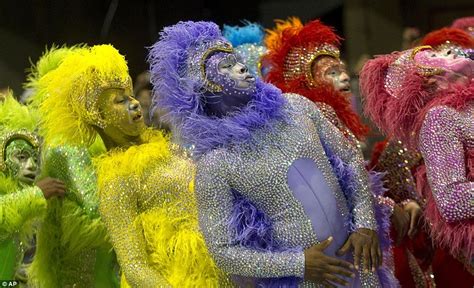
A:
69, 111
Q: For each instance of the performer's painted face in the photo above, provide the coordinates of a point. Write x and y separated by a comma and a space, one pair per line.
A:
21, 159
446, 59
238, 84
333, 71
121, 112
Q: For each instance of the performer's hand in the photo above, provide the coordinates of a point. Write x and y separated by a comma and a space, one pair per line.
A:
401, 222
51, 187
323, 269
414, 212
366, 245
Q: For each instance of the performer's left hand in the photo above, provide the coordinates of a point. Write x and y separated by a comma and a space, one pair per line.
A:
366, 246
414, 211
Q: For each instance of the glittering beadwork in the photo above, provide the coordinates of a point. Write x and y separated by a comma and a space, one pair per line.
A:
196, 62
299, 61
445, 135
252, 56
331, 115
72, 235
397, 162
150, 212
259, 172
397, 71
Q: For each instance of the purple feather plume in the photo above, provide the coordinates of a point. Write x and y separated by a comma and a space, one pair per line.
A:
182, 97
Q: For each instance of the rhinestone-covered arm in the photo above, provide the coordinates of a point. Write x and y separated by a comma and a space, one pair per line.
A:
443, 151
214, 198
18, 207
397, 162
339, 145
118, 209
73, 166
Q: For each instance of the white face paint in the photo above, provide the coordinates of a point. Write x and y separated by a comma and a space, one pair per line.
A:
236, 71
331, 70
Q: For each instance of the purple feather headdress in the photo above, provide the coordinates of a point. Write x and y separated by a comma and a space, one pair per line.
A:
179, 89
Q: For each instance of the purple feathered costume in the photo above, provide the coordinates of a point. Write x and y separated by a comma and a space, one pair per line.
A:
261, 169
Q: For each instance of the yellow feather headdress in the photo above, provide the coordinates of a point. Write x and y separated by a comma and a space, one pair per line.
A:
69, 111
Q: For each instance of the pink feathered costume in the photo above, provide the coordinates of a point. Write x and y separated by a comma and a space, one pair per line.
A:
426, 101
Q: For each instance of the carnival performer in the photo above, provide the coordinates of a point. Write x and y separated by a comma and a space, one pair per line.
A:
270, 206
144, 184
422, 97
72, 248
305, 59
23, 201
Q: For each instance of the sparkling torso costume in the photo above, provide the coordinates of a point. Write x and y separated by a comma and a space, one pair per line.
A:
72, 248
270, 152
147, 202
270, 174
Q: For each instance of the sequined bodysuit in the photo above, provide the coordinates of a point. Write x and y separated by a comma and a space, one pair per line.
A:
286, 173
148, 206
72, 248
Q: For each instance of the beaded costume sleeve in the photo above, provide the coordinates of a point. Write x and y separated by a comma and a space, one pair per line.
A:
18, 207
363, 211
442, 140
214, 198
398, 161
74, 167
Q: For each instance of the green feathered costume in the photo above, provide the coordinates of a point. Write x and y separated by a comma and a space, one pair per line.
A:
21, 205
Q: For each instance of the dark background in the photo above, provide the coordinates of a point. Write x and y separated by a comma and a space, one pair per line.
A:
369, 26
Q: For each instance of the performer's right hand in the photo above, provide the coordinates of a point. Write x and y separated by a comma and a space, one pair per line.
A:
51, 187
323, 269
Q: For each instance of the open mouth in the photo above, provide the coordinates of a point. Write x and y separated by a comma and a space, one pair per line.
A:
345, 89
31, 177
137, 116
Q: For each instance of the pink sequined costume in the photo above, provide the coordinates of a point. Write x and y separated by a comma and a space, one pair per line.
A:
424, 99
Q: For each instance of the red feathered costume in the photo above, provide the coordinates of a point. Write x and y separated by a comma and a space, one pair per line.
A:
293, 48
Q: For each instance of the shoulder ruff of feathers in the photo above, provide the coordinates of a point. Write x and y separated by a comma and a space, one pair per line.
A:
135, 159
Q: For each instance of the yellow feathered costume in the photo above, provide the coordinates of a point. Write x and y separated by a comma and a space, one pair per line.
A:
145, 191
